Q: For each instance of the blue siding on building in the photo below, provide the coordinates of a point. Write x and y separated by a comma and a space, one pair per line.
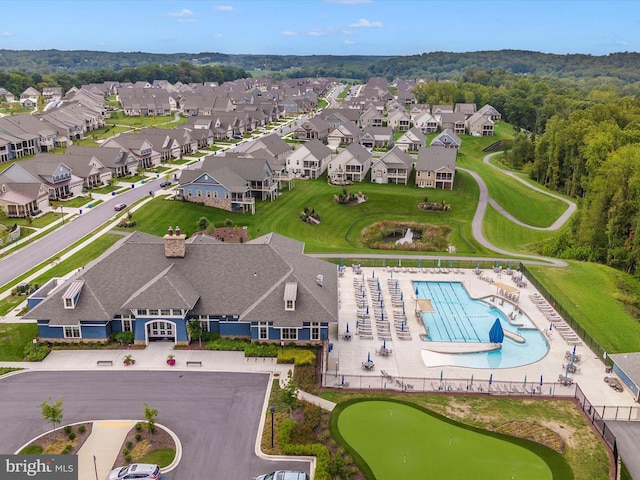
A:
627, 381
93, 332
240, 329
45, 331
33, 301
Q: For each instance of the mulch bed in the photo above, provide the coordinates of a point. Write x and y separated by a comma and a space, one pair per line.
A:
228, 234
158, 440
60, 438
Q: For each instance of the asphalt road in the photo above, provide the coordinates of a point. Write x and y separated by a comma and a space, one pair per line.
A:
215, 415
24, 259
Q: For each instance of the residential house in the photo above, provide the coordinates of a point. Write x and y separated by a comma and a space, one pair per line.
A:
30, 94
491, 112
7, 95
313, 128
480, 125
141, 149
351, 165
273, 144
436, 168
454, 122
395, 166
50, 171
256, 171
339, 116
438, 110
371, 117
447, 139
412, 141
15, 141
399, 119
26, 198
164, 142
309, 160
345, 134
52, 94
467, 109
220, 188
27, 124
376, 137
426, 122
118, 160
265, 290
92, 172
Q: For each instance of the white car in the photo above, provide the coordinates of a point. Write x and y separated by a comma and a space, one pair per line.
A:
142, 471
120, 206
284, 475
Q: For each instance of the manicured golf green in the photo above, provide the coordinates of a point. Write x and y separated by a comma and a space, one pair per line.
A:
397, 440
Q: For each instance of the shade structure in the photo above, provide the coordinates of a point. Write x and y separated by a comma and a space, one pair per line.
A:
471, 382
566, 370
441, 375
399, 262
510, 265
478, 265
419, 263
438, 263
384, 343
550, 326
416, 292
342, 262
373, 274
490, 379
450, 263
368, 356
347, 328
540, 380
496, 334
342, 380
525, 380
403, 307
384, 262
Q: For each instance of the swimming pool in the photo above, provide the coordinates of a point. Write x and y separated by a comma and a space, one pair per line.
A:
456, 317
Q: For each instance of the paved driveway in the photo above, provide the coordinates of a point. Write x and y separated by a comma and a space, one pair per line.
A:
216, 415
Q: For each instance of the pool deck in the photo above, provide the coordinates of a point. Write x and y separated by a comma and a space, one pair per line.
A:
409, 359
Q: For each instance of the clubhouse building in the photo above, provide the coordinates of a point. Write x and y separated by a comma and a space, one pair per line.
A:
266, 290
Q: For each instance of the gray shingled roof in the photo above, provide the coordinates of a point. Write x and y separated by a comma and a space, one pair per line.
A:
247, 280
433, 158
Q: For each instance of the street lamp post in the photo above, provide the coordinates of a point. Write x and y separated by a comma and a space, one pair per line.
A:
272, 409
62, 213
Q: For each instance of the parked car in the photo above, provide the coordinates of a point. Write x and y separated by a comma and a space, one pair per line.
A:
284, 475
120, 206
237, 137
143, 471
165, 184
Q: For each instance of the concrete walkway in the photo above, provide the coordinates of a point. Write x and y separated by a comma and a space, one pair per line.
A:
101, 446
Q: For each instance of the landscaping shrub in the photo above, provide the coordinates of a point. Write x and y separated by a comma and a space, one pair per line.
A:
36, 353
67, 429
319, 451
72, 436
138, 437
128, 444
138, 426
82, 429
229, 344
297, 356
128, 458
124, 338
67, 449
257, 350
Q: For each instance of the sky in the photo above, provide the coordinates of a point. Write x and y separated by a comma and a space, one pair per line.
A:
322, 27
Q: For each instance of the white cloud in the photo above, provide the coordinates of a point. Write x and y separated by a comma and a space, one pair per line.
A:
217, 35
317, 33
349, 42
623, 43
185, 12
224, 8
186, 20
364, 23
7, 34
289, 33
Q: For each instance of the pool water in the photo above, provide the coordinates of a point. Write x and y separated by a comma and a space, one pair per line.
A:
459, 318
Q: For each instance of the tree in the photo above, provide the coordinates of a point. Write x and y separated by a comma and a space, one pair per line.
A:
290, 392
196, 331
52, 412
203, 223
151, 416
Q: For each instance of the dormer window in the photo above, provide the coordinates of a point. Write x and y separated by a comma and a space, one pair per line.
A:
290, 295
71, 296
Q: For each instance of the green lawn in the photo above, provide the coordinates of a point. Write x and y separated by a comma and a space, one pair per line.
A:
340, 226
405, 441
15, 337
599, 310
